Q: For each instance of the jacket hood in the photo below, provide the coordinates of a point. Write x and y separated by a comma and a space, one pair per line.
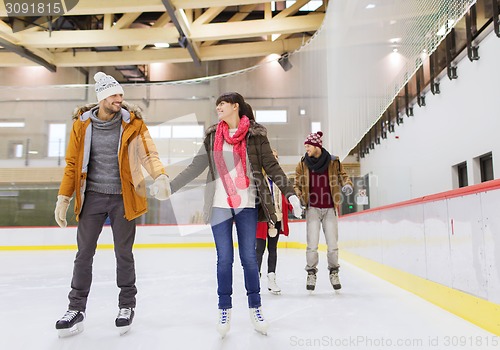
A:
255, 129
133, 109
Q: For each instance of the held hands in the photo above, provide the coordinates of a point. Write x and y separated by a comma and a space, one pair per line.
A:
160, 189
297, 208
347, 189
61, 210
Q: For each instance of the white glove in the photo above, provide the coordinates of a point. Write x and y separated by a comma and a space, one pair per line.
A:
61, 210
297, 208
161, 188
347, 189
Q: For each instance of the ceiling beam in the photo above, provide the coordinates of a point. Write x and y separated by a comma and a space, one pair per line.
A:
144, 36
209, 15
25, 53
193, 4
261, 27
170, 55
240, 16
126, 20
98, 38
160, 23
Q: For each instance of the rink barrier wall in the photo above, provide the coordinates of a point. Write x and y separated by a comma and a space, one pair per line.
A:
444, 248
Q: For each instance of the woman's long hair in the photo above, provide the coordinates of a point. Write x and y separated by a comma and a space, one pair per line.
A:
234, 97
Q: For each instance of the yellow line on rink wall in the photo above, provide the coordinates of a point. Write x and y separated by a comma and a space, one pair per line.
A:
291, 245
110, 246
480, 312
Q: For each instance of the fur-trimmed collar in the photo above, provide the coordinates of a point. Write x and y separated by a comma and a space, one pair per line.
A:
136, 110
255, 129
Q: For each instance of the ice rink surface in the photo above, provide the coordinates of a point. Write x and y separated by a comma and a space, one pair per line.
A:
177, 307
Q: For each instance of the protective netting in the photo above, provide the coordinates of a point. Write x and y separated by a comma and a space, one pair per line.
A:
372, 55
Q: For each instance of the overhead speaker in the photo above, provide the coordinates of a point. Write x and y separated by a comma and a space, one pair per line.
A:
285, 62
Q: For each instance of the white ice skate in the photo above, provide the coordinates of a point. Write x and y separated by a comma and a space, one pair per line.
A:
258, 321
271, 284
224, 322
70, 324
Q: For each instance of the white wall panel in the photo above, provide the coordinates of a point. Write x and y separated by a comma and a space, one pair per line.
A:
491, 227
362, 234
467, 245
404, 244
437, 242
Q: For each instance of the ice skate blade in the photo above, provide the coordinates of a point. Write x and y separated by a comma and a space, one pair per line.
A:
222, 331
261, 331
124, 330
68, 332
275, 292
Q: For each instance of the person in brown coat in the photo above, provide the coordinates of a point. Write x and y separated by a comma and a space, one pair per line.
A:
318, 180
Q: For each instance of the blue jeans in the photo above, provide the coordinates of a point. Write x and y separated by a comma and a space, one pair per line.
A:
222, 228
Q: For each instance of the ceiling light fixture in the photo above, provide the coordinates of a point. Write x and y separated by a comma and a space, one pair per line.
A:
162, 45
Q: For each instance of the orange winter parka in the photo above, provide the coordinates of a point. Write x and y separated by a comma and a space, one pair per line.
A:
136, 150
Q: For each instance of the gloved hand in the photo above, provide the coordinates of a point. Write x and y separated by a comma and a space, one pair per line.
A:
61, 210
160, 189
347, 189
297, 208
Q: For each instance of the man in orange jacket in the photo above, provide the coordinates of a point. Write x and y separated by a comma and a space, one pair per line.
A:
109, 144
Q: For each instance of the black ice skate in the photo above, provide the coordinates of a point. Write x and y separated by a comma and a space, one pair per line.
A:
70, 324
311, 280
124, 319
334, 279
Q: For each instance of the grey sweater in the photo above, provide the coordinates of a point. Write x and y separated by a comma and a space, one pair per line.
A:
103, 171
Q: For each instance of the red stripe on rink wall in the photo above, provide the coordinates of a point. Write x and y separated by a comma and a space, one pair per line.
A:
459, 192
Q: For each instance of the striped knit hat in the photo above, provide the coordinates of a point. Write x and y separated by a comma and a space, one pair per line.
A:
314, 139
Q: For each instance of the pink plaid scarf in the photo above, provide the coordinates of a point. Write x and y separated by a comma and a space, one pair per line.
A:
238, 140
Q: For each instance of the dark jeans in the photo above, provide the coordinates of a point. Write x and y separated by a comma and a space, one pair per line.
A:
272, 250
222, 228
96, 209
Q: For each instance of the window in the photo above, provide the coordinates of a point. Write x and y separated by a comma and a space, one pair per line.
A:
463, 180
180, 131
57, 140
486, 166
266, 116
160, 131
187, 131
16, 149
7, 124
315, 126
